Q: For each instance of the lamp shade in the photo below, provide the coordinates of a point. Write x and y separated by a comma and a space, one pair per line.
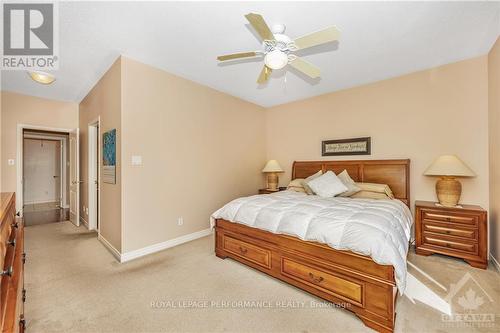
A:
272, 166
449, 165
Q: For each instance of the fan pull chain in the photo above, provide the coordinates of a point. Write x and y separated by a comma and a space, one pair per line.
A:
284, 83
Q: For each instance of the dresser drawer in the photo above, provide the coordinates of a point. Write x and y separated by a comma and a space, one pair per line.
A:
465, 219
442, 242
336, 285
250, 252
450, 229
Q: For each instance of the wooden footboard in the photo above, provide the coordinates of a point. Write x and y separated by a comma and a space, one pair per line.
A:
353, 281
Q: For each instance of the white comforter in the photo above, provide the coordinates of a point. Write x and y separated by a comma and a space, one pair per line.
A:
377, 228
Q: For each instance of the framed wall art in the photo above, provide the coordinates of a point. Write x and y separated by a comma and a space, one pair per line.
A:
355, 146
109, 157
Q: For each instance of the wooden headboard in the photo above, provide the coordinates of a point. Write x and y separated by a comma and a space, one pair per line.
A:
395, 173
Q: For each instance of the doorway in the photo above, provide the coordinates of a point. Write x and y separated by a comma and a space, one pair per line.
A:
93, 175
45, 170
68, 174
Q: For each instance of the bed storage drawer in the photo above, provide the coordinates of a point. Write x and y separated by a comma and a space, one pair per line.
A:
250, 252
333, 284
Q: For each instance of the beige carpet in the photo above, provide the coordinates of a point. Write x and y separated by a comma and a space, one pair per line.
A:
75, 285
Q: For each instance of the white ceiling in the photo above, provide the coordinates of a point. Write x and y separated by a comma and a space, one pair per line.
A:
379, 40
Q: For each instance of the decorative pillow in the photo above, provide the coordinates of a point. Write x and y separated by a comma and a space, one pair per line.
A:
349, 183
308, 179
297, 185
378, 188
327, 185
370, 195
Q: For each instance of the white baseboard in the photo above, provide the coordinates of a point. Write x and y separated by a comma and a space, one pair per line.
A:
38, 202
110, 247
82, 220
164, 245
495, 262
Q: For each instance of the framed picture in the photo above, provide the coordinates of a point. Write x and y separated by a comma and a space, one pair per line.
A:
356, 146
109, 157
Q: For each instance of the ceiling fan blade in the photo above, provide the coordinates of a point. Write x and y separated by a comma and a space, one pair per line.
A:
317, 38
236, 56
258, 23
264, 75
305, 67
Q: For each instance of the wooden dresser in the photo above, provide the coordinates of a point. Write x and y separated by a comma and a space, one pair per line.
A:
457, 232
12, 293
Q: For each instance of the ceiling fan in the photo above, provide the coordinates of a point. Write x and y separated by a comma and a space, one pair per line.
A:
278, 48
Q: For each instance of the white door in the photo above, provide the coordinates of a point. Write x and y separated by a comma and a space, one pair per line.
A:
74, 177
93, 181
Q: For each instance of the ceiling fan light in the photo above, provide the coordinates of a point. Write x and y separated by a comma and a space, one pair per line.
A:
42, 77
276, 59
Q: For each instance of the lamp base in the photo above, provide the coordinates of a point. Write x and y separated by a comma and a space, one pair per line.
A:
272, 181
448, 190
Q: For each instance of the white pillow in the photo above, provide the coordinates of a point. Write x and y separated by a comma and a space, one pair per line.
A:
328, 185
349, 183
306, 181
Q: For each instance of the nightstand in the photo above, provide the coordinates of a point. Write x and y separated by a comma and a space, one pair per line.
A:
266, 191
452, 231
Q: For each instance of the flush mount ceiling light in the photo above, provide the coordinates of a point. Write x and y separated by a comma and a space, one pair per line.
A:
41, 77
278, 49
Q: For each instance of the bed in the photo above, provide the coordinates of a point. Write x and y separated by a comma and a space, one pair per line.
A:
352, 280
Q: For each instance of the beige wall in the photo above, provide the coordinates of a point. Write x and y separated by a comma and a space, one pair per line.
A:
494, 131
418, 116
104, 101
29, 110
200, 149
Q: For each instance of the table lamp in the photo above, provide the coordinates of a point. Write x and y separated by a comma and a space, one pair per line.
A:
272, 169
448, 188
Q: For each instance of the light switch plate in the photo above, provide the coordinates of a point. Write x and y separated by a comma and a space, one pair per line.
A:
11, 162
136, 160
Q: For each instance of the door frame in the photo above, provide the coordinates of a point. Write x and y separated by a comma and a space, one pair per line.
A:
77, 182
20, 155
63, 160
94, 166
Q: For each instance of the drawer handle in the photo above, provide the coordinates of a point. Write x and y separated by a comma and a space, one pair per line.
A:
315, 279
7, 272
12, 242
243, 250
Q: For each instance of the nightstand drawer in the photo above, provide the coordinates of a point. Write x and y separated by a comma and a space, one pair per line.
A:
449, 229
450, 217
440, 241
